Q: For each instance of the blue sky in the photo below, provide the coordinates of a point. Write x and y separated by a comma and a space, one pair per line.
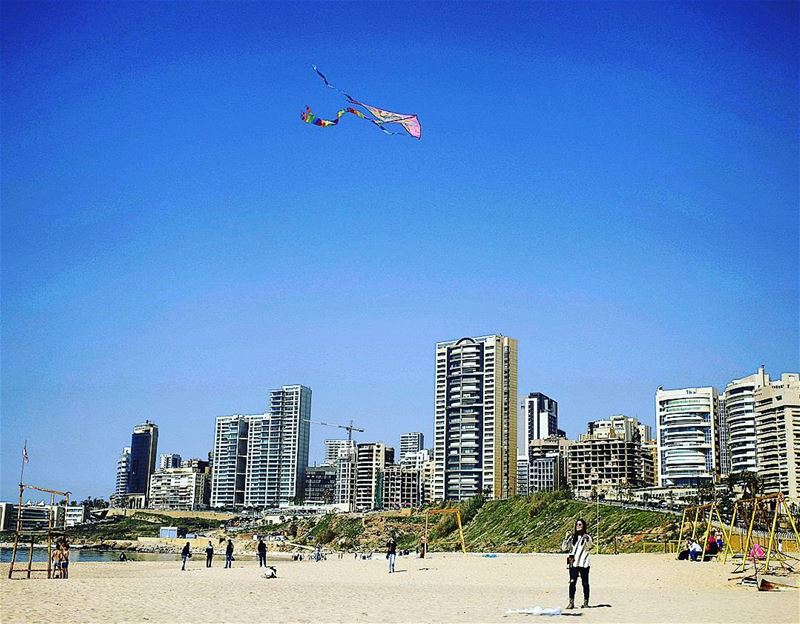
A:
614, 185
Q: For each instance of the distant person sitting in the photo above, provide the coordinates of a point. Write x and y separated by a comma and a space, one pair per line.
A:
271, 572
123, 556
684, 554
695, 551
711, 546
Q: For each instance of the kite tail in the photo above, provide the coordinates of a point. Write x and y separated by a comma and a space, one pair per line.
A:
310, 118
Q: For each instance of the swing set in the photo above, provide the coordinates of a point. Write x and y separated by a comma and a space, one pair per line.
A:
763, 511
703, 515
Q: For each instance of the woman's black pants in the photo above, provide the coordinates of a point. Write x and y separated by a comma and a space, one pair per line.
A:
574, 571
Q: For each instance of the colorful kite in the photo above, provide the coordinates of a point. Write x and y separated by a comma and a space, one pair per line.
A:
379, 117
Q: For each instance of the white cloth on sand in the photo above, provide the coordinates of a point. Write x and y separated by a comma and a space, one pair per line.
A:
535, 611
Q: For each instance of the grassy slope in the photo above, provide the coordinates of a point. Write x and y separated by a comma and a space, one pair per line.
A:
522, 524
538, 524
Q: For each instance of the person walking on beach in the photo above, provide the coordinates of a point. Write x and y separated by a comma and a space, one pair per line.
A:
391, 553
209, 554
229, 555
185, 554
578, 543
262, 553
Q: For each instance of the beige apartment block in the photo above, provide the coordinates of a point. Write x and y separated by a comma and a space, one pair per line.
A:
777, 420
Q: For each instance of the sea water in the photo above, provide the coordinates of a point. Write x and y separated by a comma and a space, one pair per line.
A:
85, 555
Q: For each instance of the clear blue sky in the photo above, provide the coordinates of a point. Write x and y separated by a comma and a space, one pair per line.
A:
614, 185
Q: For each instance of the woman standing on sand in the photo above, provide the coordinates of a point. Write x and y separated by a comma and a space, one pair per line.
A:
391, 552
185, 554
578, 543
229, 555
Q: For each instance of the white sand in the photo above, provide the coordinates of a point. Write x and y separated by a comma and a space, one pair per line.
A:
443, 588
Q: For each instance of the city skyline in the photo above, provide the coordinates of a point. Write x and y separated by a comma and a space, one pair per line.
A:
176, 242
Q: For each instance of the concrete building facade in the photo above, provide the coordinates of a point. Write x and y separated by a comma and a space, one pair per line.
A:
183, 489
402, 487
605, 461
372, 458
777, 423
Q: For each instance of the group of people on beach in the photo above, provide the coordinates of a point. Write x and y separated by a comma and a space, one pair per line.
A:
694, 549
576, 542
186, 554
61, 559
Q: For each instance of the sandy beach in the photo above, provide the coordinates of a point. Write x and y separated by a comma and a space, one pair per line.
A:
443, 588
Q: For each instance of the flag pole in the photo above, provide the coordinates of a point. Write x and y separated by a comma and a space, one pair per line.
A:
24, 459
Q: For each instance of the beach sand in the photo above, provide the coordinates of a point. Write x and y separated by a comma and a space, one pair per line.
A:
642, 588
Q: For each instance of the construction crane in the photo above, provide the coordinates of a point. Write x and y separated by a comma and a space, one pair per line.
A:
350, 428
352, 456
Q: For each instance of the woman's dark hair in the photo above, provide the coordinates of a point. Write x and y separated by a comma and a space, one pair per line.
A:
576, 533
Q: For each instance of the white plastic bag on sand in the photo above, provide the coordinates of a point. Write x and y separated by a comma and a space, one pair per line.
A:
534, 611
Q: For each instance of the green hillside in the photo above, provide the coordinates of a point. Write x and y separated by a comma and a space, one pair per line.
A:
538, 523
534, 523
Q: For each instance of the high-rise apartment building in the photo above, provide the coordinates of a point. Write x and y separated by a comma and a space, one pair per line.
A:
230, 461
333, 449
686, 424
410, 443
740, 419
539, 418
169, 460
345, 492
371, 461
777, 419
144, 444
475, 427
123, 472
261, 459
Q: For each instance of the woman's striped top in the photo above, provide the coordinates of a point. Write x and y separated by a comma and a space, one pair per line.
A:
578, 549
